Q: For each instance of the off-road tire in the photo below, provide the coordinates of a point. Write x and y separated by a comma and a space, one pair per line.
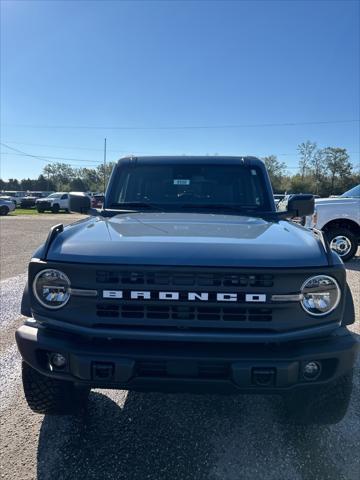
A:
343, 232
55, 208
321, 405
51, 396
4, 210
40, 210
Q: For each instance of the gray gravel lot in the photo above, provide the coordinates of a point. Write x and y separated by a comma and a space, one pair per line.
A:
154, 436
21, 235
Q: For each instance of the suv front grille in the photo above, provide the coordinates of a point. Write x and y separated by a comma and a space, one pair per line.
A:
174, 312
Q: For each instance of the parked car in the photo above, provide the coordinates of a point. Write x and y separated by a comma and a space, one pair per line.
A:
54, 202
30, 200
6, 206
97, 201
339, 219
278, 197
13, 196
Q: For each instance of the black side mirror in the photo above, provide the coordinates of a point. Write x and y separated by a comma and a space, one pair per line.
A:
79, 203
301, 205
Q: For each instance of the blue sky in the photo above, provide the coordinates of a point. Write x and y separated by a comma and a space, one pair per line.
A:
176, 64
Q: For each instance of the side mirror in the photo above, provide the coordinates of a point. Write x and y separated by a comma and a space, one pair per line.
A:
79, 203
301, 205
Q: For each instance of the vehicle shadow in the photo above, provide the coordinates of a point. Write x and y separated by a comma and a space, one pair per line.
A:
173, 437
151, 436
353, 264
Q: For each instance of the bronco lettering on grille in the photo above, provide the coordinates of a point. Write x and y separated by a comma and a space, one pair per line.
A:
185, 296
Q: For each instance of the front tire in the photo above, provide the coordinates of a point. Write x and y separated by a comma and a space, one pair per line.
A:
343, 241
51, 396
4, 210
320, 405
55, 208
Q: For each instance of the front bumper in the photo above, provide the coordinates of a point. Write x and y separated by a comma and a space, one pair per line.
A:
190, 367
44, 205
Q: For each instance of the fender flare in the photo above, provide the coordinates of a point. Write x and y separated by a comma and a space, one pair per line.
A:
25, 302
349, 309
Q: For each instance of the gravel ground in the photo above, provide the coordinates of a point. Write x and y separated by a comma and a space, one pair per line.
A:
21, 235
136, 436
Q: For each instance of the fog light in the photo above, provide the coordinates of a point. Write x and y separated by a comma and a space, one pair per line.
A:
57, 360
311, 370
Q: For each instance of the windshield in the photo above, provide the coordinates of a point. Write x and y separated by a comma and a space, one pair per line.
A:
190, 186
55, 195
354, 192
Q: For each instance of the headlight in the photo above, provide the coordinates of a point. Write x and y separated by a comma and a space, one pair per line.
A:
321, 295
51, 288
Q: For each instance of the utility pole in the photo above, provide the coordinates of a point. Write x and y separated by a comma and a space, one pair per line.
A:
104, 165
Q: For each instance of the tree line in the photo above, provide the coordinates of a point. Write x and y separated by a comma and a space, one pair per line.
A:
321, 171
62, 177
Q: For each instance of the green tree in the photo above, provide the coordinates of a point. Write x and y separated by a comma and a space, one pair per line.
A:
104, 174
277, 172
43, 183
60, 173
318, 168
298, 184
337, 164
78, 185
306, 151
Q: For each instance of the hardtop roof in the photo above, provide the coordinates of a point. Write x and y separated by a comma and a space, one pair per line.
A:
181, 159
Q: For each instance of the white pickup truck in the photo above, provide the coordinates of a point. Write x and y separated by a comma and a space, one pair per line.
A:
339, 219
54, 202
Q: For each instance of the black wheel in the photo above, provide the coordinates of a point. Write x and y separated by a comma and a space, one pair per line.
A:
55, 208
40, 210
51, 396
321, 405
4, 210
343, 241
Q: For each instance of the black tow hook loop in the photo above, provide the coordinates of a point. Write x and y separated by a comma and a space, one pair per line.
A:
102, 371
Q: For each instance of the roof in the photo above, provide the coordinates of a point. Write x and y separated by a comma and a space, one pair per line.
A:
215, 159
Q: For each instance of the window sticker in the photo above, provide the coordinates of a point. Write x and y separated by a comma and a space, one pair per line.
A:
181, 181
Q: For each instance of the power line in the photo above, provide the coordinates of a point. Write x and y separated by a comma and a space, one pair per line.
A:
75, 147
127, 152
45, 157
23, 153
42, 157
183, 127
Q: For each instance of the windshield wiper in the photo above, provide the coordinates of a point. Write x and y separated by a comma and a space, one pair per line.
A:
135, 206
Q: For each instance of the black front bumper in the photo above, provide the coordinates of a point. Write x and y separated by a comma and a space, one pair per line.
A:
180, 367
44, 205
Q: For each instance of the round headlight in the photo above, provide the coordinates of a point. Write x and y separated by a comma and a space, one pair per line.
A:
51, 288
321, 295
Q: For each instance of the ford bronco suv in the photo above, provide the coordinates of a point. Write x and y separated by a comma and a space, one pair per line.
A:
188, 280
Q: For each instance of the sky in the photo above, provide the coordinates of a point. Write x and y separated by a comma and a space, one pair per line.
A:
167, 77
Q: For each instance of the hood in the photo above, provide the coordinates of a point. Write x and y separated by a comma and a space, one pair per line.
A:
187, 239
46, 199
336, 201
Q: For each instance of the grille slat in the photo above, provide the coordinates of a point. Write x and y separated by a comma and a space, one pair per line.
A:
174, 279
172, 312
